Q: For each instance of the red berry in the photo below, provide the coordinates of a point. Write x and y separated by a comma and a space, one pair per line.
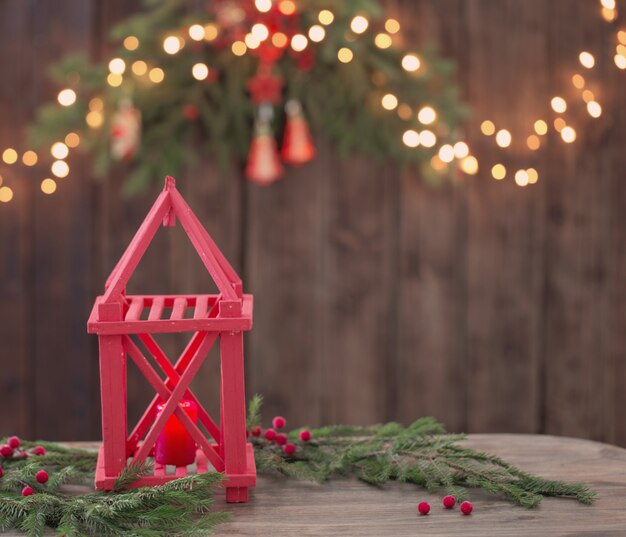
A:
423, 508
6, 451
270, 434
191, 112
279, 422
281, 439
256, 431
289, 449
305, 435
41, 476
28, 491
1, 471
39, 450
14, 442
467, 508
449, 502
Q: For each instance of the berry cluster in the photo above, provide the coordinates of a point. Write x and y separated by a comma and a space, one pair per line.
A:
448, 502
12, 449
280, 439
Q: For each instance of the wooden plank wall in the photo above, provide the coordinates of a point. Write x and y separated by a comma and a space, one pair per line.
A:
492, 307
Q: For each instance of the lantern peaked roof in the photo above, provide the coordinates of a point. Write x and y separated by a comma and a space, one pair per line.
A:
168, 206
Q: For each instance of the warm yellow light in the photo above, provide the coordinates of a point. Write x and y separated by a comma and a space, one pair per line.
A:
29, 158
251, 42
316, 33
117, 66
72, 140
263, 5
498, 172
521, 177
239, 48
541, 127
503, 138
60, 168
326, 17
280, 40
461, 150
96, 104
6, 194
411, 138
382, 40
67, 97
1, 179
140, 67
94, 119
210, 32
427, 115
200, 71
299, 42
586, 59
533, 176
568, 134
621, 37
48, 186
621, 49
470, 165
196, 32
594, 109
588, 96
260, 31
392, 26
389, 101
59, 150
609, 15
428, 138
487, 127
115, 80
131, 43
437, 164
533, 142
405, 112
411, 63
608, 4
578, 81
172, 44
558, 105
559, 124
156, 75
287, 7
9, 156
359, 24
446, 153
620, 61
345, 55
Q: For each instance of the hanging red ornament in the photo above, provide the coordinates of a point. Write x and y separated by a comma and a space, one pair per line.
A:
125, 131
264, 87
297, 143
264, 165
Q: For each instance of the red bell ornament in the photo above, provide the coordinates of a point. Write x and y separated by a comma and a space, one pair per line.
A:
263, 165
297, 143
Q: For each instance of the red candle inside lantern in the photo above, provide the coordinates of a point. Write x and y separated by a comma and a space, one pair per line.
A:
175, 445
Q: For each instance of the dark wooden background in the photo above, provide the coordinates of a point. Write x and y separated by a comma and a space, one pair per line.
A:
491, 307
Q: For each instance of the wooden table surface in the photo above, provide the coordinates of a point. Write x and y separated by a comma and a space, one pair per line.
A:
347, 507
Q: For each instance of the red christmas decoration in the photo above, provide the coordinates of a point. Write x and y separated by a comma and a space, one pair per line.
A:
39, 450
279, 422
6, 451
41, 476
297, 143
28, 491
119, 320
1, 471
265, 87
256, 431
263, 165
281, 439
270, 434
125, 131
191, 112
14, 442
423, 508
305, 435
289, 449
467, 508
449, 502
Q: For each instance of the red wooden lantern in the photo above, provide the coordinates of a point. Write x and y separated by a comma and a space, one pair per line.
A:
116, 317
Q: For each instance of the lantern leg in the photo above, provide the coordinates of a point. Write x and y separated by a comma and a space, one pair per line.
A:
233, 412
113, 394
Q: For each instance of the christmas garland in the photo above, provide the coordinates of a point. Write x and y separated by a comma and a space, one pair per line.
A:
33, 474
186, 81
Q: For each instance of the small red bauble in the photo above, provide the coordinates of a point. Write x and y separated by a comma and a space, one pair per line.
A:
14, 442
41, 476
467, 508
1, 471
28, 491
39, 450
6, 451
289, 449
305, 435
449, 502
423, 508
255, 431
281, 439
191, 112
270, 434
279, 422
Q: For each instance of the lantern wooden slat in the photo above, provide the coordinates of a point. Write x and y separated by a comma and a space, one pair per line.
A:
119, 320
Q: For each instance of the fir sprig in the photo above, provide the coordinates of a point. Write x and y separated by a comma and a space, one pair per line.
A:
422, 453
